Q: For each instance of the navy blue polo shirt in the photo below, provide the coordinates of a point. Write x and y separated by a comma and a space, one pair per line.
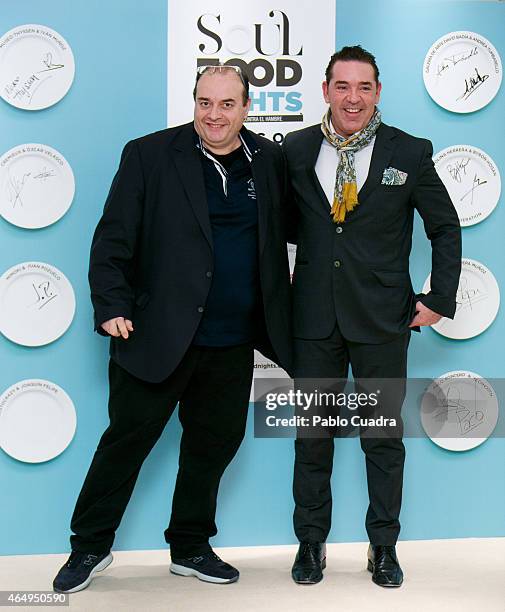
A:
231, 311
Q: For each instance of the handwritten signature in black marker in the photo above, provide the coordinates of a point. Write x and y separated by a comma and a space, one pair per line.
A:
467, 296
477, 182
459, 169
16, 187
472, 84
452, 60
44, 294
468, 418
44, 174
47, 60
460, 57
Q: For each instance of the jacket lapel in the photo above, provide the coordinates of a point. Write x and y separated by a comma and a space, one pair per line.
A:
382, 152
260, 170
187, 162
312, 148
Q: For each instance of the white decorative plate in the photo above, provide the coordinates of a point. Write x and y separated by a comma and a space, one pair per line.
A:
37, 303
36, 67
37, 420
477, 302
462, 72
36, 186
459, 410
472, 180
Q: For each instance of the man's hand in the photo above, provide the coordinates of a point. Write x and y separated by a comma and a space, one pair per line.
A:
118, 327
424, 316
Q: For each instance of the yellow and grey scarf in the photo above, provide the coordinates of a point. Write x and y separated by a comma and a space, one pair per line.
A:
345, 195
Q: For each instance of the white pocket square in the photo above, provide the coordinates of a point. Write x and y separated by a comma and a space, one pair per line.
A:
392, 176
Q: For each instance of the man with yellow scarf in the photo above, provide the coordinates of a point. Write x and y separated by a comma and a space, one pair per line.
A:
356, 183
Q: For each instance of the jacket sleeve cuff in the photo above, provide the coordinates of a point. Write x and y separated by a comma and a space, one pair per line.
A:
443, 306
111, 312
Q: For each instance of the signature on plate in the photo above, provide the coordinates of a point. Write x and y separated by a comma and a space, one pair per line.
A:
44, 293
472, 83
458, 169
452, 60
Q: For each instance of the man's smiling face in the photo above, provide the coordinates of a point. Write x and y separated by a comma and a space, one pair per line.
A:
220, 111
352, 94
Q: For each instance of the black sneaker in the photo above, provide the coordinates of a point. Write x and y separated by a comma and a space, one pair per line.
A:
207, 567
79, 571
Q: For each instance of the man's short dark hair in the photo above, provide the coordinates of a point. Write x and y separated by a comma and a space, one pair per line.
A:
240, 73
348, 54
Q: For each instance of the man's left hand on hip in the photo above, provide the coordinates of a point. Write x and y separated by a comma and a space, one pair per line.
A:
424, 316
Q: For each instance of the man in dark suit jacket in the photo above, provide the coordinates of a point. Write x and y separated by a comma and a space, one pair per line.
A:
356, 184
188, 274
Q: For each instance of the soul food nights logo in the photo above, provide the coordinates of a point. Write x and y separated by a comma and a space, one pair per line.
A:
266, 51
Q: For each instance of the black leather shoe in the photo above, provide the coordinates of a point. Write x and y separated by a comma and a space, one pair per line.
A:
309, 563
383, 563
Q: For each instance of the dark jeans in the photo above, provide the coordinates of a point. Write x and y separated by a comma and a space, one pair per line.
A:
212, 387
330, 358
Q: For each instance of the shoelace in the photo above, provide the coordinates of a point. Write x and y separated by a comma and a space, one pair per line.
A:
307, 547
389, 554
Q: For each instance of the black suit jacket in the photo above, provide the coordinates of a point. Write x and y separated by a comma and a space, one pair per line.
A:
151, 253
359, 275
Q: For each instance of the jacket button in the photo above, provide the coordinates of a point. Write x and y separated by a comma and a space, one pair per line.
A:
336, 263
200, 309
339, 230
208, 274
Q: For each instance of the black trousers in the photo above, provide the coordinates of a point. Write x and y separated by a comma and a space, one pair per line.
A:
212, 387
330, 359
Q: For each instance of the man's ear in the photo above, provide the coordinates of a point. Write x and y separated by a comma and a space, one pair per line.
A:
378, 95
325, 92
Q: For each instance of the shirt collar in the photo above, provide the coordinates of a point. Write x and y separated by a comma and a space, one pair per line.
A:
249, 143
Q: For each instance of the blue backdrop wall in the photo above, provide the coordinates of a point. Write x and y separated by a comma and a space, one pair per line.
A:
119, 92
